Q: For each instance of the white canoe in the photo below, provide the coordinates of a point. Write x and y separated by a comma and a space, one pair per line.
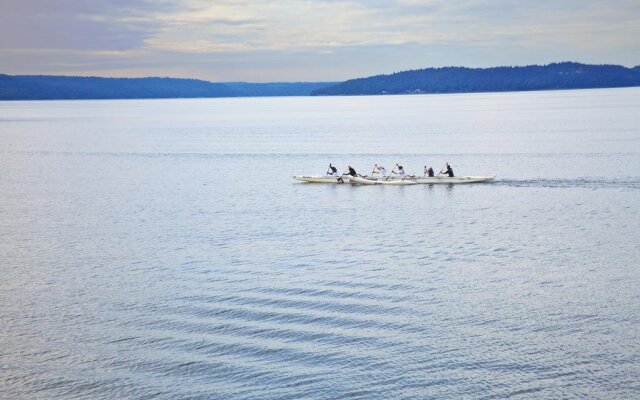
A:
364, 181
454, 179
373, 180
439, 179
321, 178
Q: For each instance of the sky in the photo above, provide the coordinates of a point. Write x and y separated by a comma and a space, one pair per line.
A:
310, 40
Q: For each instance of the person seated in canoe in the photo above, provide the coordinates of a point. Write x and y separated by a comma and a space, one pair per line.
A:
333, 171
352, 172
379, 169
401, 173
448, 171
428, 171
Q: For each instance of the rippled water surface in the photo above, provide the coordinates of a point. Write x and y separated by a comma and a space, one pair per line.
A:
160, 249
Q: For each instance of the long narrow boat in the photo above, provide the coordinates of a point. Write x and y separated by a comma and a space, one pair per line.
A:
365, 181
437, 179
321, 178
453, 179
394, 180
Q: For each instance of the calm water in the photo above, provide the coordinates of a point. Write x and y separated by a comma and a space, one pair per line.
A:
160, 249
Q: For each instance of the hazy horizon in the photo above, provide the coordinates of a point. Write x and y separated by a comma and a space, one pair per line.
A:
277, 41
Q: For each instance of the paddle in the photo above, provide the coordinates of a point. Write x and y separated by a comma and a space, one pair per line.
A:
373, 171
393, 171
340, 177
441, 170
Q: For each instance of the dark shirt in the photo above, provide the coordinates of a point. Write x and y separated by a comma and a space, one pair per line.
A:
352, 172
449, 171
430, 171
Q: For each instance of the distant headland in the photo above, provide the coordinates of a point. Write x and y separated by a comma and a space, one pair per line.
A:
556, 76
47, 87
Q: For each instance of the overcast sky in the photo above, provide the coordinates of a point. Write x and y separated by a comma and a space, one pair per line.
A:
319, 40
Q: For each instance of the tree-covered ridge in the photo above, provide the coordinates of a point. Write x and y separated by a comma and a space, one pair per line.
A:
566, 75
44, 87
41, 87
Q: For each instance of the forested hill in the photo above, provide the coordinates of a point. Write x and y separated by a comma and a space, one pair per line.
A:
44, 87
566, 75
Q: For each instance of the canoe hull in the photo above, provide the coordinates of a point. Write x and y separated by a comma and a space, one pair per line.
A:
394, 180
440, 179
455, 179
397, 182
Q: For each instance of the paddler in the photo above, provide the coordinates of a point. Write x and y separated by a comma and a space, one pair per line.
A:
333, 171
428, 171
449, 171
379, 169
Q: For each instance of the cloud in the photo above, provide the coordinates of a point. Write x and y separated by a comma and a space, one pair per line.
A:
82, 25
316, 39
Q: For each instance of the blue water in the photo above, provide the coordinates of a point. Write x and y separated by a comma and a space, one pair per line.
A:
160, 249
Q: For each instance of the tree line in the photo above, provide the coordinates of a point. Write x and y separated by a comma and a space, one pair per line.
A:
46, 87
566, 75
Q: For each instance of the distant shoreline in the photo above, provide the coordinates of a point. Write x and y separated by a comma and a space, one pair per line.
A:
446, 80
556, 76
315, 96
